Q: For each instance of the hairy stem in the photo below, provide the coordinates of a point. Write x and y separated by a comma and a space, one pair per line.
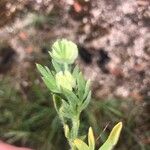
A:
74, 131
75, 127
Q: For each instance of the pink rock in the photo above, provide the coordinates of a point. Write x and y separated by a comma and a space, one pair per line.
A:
4, 146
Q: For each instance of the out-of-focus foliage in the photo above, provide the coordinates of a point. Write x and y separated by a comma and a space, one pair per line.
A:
32, 122
22, 121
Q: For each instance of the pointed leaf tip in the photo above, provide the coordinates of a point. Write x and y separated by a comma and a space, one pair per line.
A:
115, 133
113, 137
91, 140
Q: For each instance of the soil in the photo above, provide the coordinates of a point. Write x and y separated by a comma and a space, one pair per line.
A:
113, 39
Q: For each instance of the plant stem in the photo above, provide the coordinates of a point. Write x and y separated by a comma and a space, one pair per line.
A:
75, 127
65, 66
74, 131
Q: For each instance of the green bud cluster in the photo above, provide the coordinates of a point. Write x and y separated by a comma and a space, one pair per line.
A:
65, 80
64, 51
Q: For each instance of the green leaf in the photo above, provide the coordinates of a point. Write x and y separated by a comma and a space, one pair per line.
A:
115, 111
113, 138
91, 140
81, 85
56, 66
57, 102
76, 72
48, 78
66, 110
87, 89
52, 87
66, 105
41, 70
86, 102
48, 71
81, 145
71, 98
45, 72
66, 113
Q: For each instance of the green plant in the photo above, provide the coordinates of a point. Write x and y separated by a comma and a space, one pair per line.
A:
71, 95
108, 145
33, 117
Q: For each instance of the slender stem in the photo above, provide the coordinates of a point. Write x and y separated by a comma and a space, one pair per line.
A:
75, 127
74, 131
65, 66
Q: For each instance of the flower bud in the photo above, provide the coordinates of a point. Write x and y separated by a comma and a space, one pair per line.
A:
65, 80
64, 51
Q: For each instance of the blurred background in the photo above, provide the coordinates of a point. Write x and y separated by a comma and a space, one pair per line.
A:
113, 37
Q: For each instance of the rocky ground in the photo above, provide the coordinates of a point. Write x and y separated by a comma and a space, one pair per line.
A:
113, 38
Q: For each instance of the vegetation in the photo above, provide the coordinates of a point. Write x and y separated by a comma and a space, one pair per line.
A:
38, 117
113, 49
71, 95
